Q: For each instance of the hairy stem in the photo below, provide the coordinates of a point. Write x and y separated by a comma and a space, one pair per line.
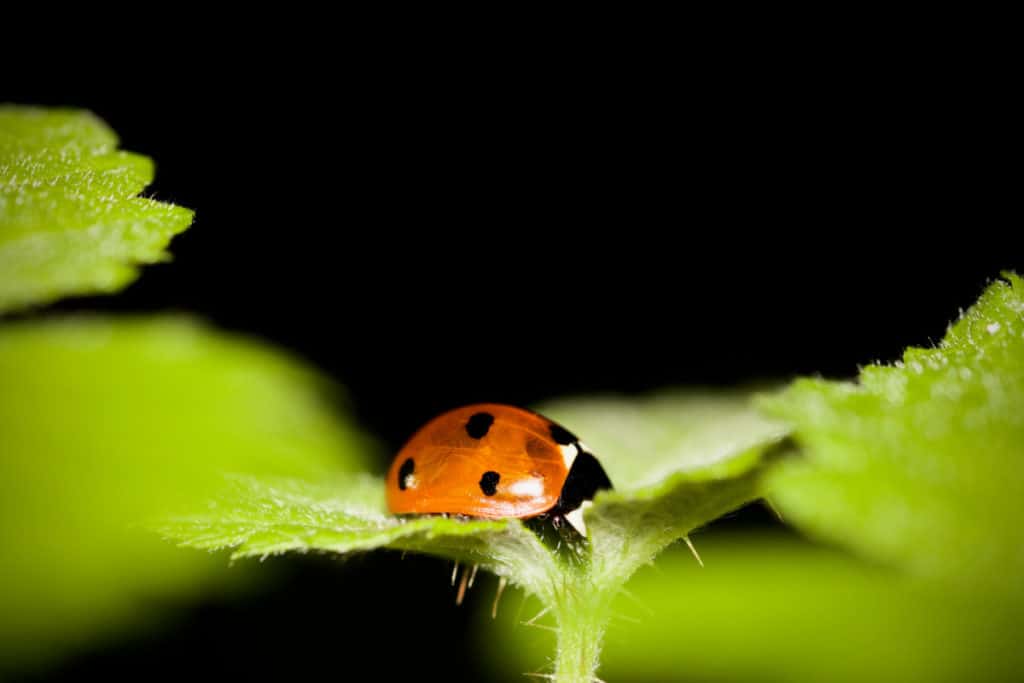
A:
582, 612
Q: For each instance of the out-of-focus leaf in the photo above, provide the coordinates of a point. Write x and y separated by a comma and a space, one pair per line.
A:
105, 423
773, 608
70, 218
921, 463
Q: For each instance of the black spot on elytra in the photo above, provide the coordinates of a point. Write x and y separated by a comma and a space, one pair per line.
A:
586, 477
407, 468
561, 435
489, 482
479, 424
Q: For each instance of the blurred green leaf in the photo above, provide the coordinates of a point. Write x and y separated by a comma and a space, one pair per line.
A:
677, 460
104, 423
921, 463
769, 607
70, 220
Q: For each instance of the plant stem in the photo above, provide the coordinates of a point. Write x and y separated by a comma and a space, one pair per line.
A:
582, 613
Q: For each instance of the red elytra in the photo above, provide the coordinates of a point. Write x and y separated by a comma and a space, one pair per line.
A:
492, 461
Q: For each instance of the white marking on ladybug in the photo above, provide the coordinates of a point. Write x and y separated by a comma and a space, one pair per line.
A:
530, 487
569, 454
575, 518
411, 481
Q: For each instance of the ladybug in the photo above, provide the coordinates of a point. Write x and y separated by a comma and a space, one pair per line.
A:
494, 461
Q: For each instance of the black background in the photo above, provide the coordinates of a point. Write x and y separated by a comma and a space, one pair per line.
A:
432, 238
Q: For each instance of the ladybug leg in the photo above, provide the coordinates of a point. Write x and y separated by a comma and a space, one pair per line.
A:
558, 535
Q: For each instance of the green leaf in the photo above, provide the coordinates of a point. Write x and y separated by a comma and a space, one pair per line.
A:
678, 460
921, 463
70, 218
347, 513
770, 607
104, 423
